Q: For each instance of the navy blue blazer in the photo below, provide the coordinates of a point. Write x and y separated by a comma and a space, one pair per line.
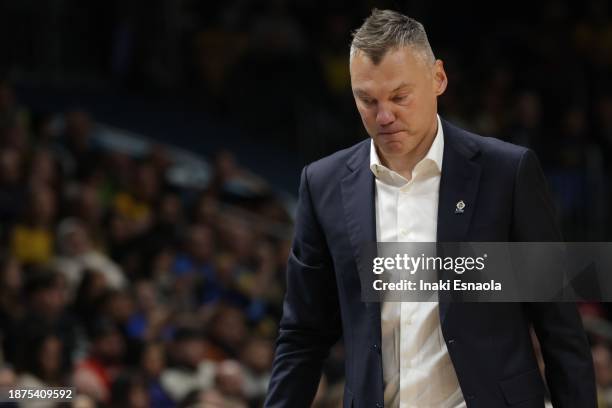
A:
489, 344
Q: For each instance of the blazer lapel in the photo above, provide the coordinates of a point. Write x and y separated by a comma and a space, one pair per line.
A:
459, 182
358, 200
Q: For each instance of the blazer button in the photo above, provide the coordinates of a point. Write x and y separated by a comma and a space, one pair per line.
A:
376, 348
379, 405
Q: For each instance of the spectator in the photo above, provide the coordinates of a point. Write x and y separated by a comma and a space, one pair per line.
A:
88, 207
256, 356
32, 239
233, 180
77, 253
11, 291
45, 171
161, 271
95, 373
195, 264
7, 377
79, 156
151, 318
190, 370
229, 380
44, 364
137, 204
44, 367
209, 398
89, 297
129, 390
46, 312
228, 332
168, 227
153, 363
206, 211
12, 191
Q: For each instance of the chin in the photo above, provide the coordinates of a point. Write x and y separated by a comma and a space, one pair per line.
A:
395, 148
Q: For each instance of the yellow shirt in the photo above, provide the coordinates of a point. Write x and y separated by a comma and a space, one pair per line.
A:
131, 208
31, 244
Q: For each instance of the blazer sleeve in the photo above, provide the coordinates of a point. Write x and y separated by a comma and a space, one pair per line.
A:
310, 323
558, 326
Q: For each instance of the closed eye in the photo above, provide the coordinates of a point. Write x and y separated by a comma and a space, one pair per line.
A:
399, 98
368, 101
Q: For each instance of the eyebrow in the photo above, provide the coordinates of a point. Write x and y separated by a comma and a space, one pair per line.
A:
402, 86
361, 93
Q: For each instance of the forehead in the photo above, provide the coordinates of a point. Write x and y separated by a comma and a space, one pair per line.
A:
397, 66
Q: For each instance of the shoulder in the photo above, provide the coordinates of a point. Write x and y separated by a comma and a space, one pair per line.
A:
489, 150
334, 166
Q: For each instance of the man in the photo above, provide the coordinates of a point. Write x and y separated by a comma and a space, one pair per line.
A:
405, 185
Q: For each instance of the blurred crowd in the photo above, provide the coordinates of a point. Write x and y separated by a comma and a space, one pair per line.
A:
143, 293
137, 292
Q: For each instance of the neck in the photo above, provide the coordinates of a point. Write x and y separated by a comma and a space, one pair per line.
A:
404, 165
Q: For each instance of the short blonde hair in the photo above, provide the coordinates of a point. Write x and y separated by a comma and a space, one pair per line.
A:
384, 30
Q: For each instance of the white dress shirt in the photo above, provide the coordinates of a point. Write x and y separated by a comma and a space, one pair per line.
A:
417, 370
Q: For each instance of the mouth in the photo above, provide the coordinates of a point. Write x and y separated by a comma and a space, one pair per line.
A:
389, 133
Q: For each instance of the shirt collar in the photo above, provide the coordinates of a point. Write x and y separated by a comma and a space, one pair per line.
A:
434, 155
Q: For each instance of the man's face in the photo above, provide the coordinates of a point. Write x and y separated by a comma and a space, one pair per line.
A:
397, 99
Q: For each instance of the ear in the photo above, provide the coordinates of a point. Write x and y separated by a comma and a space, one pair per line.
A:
440, 81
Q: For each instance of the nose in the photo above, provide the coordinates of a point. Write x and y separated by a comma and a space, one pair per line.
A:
384, 116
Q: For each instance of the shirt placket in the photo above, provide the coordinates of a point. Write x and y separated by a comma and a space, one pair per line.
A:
407, 309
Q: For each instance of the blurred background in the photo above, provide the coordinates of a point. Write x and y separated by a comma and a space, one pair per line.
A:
150, 154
